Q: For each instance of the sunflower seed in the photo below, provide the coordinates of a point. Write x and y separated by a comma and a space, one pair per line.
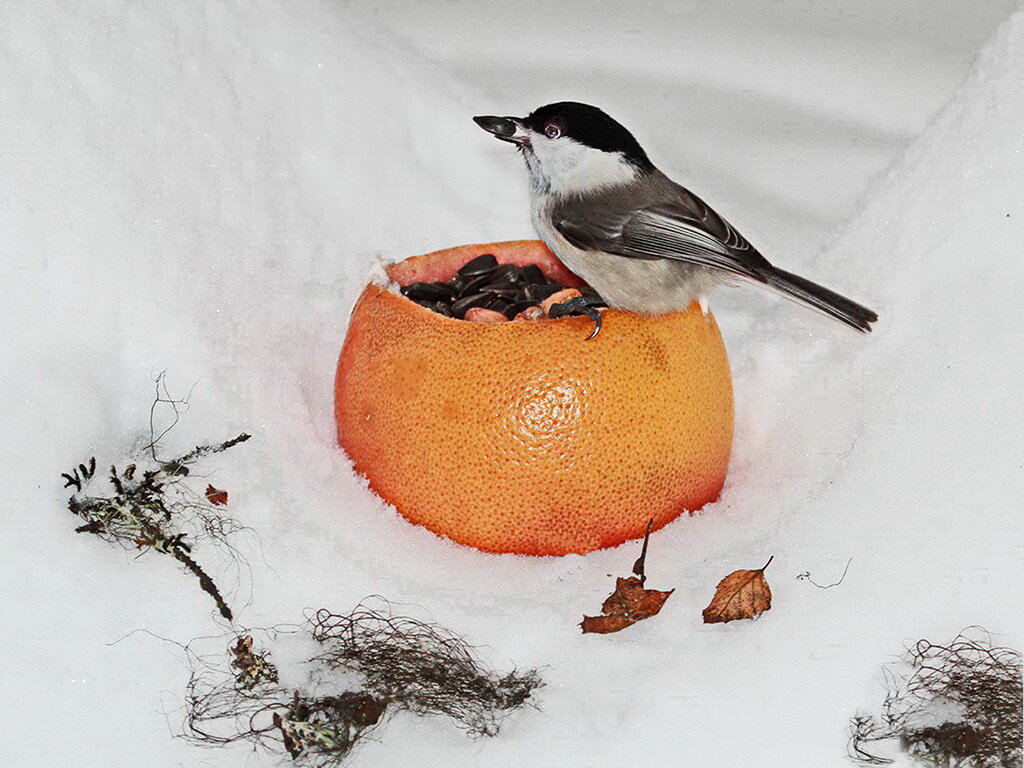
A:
498, 304
483, 264
466, 302
428, 292
531, 273
537, 293
475, 285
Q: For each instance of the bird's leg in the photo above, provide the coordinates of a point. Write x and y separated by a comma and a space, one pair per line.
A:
581, 305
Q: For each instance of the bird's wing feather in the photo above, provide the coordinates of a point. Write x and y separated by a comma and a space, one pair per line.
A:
685, 230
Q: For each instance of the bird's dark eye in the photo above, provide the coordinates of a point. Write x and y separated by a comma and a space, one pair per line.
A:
553, 129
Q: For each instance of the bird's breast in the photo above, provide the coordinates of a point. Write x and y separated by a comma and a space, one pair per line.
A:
650, 286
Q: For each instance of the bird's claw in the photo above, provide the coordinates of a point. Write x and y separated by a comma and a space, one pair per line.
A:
580, 305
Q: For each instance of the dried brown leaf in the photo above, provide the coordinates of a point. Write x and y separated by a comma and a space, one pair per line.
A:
216, 496
628, 604
740, 595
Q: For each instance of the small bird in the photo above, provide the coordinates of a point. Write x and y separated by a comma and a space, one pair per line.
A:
643, 242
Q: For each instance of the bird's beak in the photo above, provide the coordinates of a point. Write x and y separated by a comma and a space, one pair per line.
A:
505, 128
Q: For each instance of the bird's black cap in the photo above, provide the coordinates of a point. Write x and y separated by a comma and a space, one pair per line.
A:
589, 125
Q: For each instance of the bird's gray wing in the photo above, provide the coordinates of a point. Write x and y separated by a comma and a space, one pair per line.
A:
685, 229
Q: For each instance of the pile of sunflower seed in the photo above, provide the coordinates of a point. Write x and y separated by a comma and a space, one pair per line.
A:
482, 283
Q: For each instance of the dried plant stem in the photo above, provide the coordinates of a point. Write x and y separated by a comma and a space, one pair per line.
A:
957, 705
205, 582
153, 510
402, 663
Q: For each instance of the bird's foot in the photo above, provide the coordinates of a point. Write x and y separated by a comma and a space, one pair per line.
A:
581, 305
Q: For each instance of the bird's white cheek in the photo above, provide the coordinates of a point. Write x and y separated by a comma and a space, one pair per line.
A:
568, 167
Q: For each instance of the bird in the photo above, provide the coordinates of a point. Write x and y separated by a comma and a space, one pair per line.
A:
644, 243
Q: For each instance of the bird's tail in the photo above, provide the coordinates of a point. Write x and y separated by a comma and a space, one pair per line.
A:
822, 299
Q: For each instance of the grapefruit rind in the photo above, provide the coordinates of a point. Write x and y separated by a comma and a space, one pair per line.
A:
522, 437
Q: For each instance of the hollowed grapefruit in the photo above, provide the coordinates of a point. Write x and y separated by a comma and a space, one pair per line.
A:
522, 436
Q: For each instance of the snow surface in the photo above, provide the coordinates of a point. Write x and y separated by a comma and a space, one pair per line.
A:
779, 113
201, 189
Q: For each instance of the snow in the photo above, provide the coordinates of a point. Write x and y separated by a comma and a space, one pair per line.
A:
202, 189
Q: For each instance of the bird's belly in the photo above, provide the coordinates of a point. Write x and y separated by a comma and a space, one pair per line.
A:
652, 286
639, 285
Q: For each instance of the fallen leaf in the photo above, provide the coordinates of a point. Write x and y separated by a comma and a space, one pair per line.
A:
628, 604
740, 595
216, 496
641, 562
